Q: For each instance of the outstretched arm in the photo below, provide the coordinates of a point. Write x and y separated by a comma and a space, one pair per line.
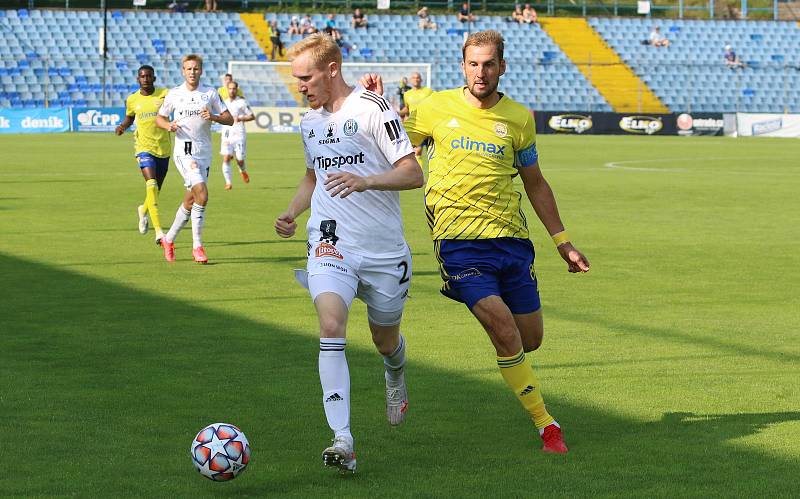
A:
544, 204
285, 224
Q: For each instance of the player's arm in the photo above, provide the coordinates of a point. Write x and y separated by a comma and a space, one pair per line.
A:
220, 113
544, 204
405, 174
285, 224
126, 123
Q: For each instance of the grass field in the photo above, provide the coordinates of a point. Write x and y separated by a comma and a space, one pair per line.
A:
673, 365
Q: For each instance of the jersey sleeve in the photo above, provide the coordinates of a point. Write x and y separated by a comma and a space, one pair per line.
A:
525, 152
129, 111
216, 105
306, 152
389, 135
168, 107
246, 111
417, 125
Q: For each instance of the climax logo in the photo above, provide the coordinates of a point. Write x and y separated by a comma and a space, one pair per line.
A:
4, 122
325, 249
570, 123
641, 124
95, 117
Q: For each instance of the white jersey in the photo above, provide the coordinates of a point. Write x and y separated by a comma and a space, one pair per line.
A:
238, 108
193, 138
365, 138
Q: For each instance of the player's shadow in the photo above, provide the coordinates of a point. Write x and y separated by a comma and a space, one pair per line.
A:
103, 387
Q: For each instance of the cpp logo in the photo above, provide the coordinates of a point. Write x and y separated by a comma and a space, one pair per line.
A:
95, 118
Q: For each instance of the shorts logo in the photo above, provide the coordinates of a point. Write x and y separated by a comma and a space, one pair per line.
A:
326, 250
500, 129
533, 273
350, 127
471, 272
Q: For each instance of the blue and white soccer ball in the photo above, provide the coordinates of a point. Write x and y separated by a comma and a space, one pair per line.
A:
220, 452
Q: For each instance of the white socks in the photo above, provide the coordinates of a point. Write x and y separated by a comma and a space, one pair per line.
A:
198, 220
226, 171
334, 377
181, 218
395, 363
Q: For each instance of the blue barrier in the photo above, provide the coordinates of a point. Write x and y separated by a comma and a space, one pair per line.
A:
96, 119
34, 120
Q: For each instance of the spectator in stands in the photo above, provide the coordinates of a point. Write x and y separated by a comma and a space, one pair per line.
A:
330, 28
516, 16
211, 5
178, 6
465, 15
359, 19
529, 15
732, 58
275, 39
656, 39
425, 20
307, 26
294, 26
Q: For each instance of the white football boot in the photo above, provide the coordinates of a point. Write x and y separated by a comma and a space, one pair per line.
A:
144, 222
340, 455
396, 401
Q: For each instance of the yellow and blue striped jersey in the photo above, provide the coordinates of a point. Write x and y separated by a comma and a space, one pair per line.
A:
144, 108
475, 155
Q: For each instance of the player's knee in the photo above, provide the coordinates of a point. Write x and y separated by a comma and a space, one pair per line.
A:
531, 344
331, 327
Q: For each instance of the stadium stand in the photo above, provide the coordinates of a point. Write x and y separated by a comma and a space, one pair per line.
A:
691, 74
52, 56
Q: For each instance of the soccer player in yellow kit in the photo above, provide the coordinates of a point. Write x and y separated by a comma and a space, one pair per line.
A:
481, 140
152, 144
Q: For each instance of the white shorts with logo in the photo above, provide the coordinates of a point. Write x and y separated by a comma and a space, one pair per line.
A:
235, 147
381, 283
193, 170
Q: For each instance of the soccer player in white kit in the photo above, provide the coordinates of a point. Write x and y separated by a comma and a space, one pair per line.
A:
193, 106
234, 138
357, 157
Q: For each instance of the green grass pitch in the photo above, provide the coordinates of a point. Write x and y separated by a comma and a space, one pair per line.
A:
673, 366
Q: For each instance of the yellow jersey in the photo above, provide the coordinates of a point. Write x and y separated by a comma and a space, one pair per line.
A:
223, 93
414, 96
144, 108
472, 163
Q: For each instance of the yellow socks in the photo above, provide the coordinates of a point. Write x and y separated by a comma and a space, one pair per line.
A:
520, 378
151, 204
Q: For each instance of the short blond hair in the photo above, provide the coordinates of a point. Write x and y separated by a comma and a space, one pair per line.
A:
482, 39
192, 57
323, 49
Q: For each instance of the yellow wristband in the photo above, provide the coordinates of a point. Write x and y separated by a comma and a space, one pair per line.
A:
560, 238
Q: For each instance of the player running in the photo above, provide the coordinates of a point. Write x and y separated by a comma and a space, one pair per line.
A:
193, 107
234, 138
357, 157
152, 144
481, 141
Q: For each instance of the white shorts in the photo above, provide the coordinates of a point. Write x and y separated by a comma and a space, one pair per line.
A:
193, 170
381, 283
236, 148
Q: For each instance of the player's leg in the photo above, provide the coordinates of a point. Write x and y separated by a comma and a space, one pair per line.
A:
154, 176
147, 167
198, 215
520, 293
183, 215
240, 152
384, 288
226, 164
333, 292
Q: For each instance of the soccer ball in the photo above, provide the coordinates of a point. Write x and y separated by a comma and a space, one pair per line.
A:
220, 452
